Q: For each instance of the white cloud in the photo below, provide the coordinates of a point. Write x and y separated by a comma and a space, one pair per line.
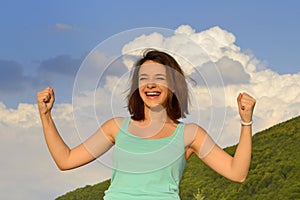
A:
25, 116
63, 27
213, 52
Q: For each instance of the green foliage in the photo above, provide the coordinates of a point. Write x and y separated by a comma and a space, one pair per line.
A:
87, 193
199, 196
274, 172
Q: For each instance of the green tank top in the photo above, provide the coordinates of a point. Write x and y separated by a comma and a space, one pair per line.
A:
146, 169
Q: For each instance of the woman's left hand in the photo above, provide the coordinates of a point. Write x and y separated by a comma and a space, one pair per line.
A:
246, 105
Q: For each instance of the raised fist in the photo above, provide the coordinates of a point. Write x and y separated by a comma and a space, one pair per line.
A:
246, 105
45, 100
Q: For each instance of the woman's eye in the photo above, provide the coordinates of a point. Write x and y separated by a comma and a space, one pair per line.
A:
141, 79
160, 78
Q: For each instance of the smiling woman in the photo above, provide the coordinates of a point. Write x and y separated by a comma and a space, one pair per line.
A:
153, 86
158, 69
151, 146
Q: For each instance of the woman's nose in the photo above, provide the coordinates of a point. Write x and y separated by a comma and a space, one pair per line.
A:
151, 85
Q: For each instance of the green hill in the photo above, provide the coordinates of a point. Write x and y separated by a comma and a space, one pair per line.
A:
274, 171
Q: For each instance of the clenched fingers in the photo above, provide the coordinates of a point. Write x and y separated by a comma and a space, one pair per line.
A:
246, 105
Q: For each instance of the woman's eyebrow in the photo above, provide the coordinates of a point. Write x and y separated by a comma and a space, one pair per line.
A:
143, 75
154, 75
160, 74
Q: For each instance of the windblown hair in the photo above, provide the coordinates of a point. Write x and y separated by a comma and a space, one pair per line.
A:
177, 100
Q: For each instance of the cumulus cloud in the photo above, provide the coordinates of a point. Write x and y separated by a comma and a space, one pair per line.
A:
60, 65
24, 116
13, 80
98, 65
230, 71
212, 58
64, 27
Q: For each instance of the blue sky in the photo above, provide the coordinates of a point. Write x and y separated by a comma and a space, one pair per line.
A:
44, 42
268, 28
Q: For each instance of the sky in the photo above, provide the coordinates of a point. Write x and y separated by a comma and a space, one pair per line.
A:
85, 51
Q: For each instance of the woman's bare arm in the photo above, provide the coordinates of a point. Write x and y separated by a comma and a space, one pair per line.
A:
64, 157
234, 168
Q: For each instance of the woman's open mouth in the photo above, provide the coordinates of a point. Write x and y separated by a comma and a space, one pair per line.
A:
152, 94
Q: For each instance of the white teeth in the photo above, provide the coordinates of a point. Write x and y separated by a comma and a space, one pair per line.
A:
152, 93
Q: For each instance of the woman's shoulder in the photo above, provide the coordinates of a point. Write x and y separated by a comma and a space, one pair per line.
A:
194, 130
188, 127
112, 126
114, 122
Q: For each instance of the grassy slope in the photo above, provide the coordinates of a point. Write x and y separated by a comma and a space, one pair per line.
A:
274, 171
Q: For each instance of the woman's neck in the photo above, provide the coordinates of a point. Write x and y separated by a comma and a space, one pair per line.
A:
156, 114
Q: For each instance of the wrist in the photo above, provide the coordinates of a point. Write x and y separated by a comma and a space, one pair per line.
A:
46, 115
243, 123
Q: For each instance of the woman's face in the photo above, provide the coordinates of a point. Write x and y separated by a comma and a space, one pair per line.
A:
153, 85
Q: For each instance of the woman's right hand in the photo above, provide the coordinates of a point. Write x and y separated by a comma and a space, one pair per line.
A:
45, 100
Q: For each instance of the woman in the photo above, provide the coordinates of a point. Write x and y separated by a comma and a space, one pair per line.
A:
151, 146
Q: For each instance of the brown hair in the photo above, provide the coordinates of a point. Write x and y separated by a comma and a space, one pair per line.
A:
177, 100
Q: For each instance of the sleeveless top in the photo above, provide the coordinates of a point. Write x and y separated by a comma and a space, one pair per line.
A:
146, 169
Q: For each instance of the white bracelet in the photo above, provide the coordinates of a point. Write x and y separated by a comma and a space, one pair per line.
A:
246, 123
